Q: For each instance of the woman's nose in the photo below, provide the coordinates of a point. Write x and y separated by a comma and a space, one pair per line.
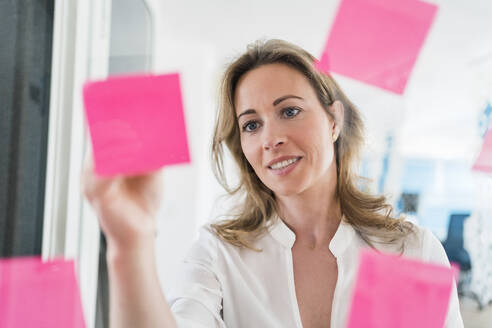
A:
273, 138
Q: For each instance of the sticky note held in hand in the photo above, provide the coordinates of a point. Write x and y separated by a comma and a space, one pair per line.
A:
136, 123
377, 41
39, 294
394, 292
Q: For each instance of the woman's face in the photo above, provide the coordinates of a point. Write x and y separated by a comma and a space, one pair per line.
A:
286, 135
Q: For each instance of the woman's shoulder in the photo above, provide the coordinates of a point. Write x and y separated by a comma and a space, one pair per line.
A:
424, 245
420, 244
204, 248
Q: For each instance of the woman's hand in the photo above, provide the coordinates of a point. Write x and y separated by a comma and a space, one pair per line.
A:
126, 207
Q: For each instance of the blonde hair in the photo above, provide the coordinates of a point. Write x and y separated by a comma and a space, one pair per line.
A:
371, 216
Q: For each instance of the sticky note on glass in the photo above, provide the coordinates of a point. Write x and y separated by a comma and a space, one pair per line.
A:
377, 41
483, 162
136, 123
39, 294
394, 292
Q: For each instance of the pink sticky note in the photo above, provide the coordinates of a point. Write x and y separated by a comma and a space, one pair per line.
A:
39, 294
377, 41
393, 292
136, 123
484, 160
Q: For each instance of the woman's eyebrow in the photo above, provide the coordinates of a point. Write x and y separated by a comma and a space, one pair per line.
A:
279, 100
246, 112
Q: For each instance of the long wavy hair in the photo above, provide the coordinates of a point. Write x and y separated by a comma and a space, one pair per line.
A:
370, 215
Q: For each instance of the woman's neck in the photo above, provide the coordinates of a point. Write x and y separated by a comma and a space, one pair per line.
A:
313, 215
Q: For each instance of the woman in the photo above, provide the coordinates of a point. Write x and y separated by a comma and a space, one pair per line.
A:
289, 257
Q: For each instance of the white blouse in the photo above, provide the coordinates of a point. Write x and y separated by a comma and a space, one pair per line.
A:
221, 285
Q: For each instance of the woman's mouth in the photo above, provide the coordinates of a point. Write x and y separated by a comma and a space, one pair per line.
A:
284, 167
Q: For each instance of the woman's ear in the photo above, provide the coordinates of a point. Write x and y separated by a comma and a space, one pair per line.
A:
338, 112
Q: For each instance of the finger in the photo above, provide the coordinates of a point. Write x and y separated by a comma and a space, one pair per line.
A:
151, 180
146, 189
93, 184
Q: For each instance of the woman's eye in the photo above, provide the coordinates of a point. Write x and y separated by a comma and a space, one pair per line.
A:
250, 126
291, 111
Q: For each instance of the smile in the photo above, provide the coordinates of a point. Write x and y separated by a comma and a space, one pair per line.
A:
284, 164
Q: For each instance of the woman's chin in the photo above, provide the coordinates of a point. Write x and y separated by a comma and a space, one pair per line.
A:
286, 191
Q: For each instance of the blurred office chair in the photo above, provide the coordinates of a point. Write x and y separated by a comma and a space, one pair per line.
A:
454, 246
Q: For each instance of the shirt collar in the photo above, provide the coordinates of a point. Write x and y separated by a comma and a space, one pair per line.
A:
341, 240
281, 232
